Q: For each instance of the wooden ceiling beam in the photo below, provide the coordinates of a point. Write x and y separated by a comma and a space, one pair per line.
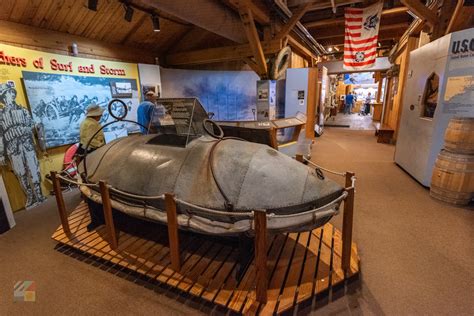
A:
317, 5
331, 33
300, 48
463, 18
251, 63
209, 15
219, 54
261, 16
254, 40
421, 11
335, 21
297, 15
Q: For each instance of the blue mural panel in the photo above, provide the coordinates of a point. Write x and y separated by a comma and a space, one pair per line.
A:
230, 95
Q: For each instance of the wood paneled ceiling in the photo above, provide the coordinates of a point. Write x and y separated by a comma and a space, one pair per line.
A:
107, 24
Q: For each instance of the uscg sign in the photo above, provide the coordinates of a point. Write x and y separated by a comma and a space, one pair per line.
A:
463, 46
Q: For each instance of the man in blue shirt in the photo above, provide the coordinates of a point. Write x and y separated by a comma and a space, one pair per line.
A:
145, 111
349, 103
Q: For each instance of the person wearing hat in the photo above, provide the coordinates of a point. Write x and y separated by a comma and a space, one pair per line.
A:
145, 110
89, 127
17, 144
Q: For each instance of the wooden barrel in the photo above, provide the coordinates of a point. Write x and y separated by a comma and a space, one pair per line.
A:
453, 178
459, 136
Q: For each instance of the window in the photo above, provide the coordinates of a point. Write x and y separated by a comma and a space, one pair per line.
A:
430, 96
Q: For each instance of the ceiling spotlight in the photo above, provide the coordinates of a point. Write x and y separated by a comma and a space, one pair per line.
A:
156, 22
329, 49
128, 13
92, 5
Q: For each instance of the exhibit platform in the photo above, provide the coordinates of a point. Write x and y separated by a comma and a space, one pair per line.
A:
300, 265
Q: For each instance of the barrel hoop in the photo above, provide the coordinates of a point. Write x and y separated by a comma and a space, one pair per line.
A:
449, 170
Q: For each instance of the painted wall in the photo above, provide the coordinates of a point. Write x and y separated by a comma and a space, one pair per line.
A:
230, 95
336, 67
15, 60
150, 75
296, 98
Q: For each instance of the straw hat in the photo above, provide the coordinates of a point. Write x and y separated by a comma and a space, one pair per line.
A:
94, 110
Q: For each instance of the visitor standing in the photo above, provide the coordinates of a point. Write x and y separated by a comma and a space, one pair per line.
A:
368, 101
145, 111
349, 103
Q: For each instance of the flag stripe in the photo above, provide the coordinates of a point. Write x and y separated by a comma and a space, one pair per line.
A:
353, 27
360, 49
359, 19
354, 11
348, 34
364, 63
358, 42
365, 56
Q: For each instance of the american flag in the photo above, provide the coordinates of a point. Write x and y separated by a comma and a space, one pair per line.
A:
361, 35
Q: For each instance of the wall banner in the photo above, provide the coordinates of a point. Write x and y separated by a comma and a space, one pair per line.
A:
50, 93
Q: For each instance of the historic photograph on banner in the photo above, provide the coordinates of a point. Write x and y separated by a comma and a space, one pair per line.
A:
59, 103
120, 89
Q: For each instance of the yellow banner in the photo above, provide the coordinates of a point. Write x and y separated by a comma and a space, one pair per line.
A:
14, 60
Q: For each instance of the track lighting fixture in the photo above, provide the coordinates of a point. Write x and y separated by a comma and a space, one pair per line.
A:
128, 13
156, 22
92, 5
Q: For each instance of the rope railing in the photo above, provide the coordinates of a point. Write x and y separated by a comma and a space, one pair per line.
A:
92, 185
136, 196
342, 174
249, 214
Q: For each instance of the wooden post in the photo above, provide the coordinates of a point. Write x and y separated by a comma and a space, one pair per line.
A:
347, 222
173, 236
60, 203
349, 176
260, 221
109, 220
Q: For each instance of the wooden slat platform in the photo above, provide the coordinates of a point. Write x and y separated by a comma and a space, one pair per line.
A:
300, 265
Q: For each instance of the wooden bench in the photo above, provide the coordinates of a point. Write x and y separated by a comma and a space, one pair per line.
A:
384, 133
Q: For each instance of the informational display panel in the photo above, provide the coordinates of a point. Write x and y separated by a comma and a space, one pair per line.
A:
457, 93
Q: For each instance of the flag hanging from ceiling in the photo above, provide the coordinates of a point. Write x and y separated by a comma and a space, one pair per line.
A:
361, 35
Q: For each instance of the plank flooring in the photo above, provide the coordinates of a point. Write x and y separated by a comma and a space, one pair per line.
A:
300, 265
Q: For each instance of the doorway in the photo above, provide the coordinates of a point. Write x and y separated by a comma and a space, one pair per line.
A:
363, 91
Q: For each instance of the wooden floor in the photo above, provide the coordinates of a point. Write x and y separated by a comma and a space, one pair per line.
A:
301, 265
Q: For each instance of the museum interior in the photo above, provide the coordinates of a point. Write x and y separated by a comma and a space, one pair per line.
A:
236, 157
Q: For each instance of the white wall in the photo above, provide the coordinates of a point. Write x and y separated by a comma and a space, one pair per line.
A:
149, 74
296, 80
336, 67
